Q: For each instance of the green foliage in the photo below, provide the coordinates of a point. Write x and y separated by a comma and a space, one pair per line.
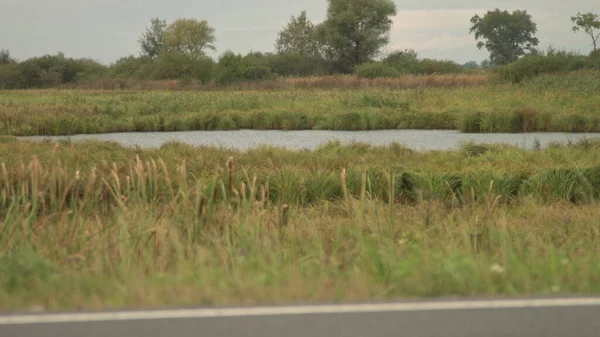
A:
11, 76
429, 66
406, 61
507, 35
189, 37
256, 73
235, 67
152, 41
298, 37
354, 31
500, 120
287, 65
24, 269
48, 71
558, 184
230, 68
131, 67
5, 57
172, 65
589, 23
376, 69
553, 61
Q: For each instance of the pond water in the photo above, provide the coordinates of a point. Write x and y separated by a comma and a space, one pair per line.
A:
310, 139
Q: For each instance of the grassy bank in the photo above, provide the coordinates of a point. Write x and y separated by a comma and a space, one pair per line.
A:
547, 103
96, 225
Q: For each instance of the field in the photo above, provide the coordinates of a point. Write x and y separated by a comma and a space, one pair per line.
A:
95, 225
470, 103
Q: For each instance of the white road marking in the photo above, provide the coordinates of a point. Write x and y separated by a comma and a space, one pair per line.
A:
295, 310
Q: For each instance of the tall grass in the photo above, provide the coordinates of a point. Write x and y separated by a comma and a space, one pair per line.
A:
96, 225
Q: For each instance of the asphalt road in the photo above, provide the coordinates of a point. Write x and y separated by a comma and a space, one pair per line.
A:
549, 317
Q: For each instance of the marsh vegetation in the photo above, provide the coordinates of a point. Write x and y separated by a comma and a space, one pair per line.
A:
97, 225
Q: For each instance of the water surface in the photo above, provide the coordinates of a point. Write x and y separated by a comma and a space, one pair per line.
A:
310, 139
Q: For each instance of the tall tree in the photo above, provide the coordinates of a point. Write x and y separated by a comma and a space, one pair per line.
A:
298, 38
508, 35
588, 22
354, 31
152, 39
189, 37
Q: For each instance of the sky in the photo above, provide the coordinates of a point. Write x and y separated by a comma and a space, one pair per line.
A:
106, 30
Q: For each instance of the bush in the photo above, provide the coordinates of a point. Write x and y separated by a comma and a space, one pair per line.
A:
405, 62
129, 67
230, 68
256, 73
11, 76
177, 66
530, 66
298, 65
429, 66
376, 69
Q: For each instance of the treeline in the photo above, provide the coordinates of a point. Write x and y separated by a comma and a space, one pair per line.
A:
54, 70
349, 41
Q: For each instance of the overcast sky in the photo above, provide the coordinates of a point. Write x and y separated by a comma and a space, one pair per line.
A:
108, 29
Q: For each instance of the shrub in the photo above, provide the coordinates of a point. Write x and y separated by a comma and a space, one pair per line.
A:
171, 65
429, 66
230, 68
11, 76
128, 67
405, 62
534, 65
256, 73
375, 70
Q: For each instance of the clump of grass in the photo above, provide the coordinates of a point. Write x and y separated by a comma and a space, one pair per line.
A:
323, 185
487, 185
471, 122
500, 121
287, 186
440, 186
470, 148
561, 184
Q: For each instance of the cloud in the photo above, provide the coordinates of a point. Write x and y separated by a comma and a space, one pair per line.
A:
443, 41
430, 19
439, 29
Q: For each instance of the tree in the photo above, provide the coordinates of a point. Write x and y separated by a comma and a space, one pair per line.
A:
508, 35
152, 40
589, 22
189, 37
5, 57
298, 38
354, 31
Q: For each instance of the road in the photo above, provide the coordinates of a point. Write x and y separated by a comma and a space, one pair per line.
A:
548, 317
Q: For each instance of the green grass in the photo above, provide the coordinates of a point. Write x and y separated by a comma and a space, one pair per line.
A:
566, 102
97, 225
